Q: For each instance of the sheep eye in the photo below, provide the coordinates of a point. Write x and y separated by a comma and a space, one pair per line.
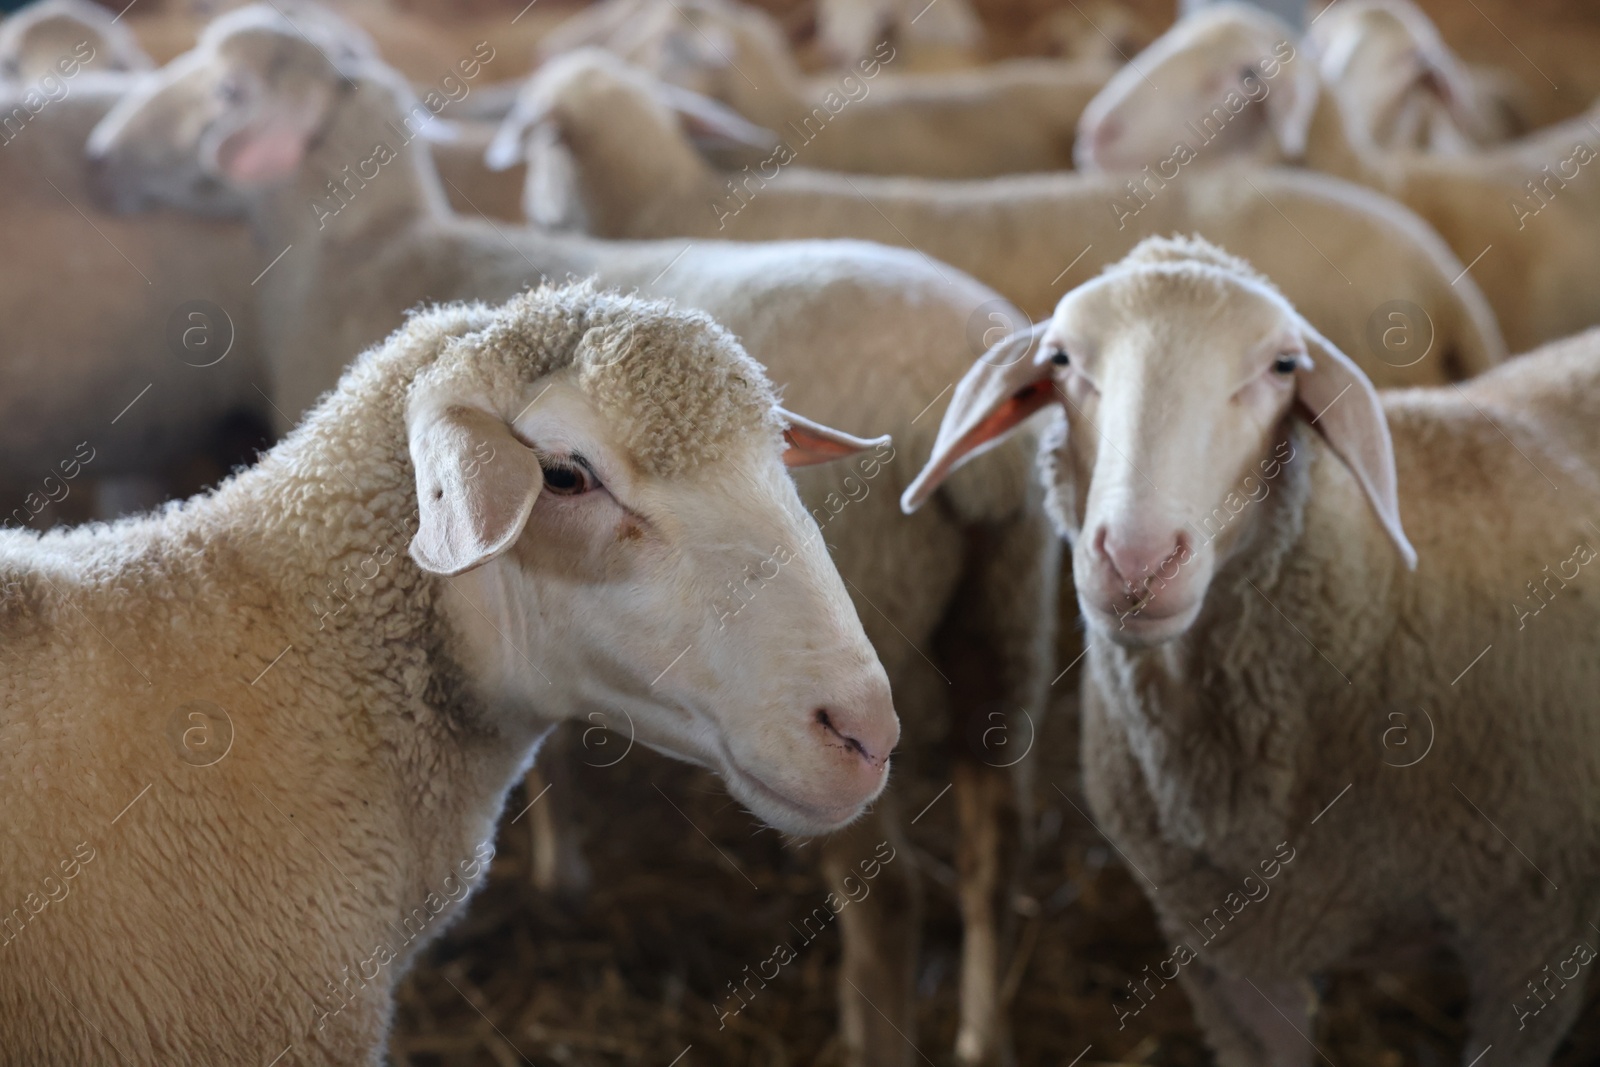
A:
1059, 357
565, 479
230, 91
1249, 73
1285, 364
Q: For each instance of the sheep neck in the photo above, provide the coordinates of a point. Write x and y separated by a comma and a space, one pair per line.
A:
1333, 149
318, 534
1222, 720
623, 198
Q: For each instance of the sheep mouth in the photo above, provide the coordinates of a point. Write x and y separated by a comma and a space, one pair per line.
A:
1147, 627
805, 819
773, 806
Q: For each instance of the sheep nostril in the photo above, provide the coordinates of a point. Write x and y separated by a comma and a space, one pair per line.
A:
826, 722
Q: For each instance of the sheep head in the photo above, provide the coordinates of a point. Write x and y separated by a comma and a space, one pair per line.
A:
710, 47
1398, 84
1177, 373
602, 481
237, 115
1225, 82
588, 124
47, 39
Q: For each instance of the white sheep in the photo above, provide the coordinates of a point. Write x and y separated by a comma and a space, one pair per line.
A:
607, 150
1341, 676
873, 118
269, 791
935, 36
1400, 86
45, 38
855, 333
127, 340
1234, 83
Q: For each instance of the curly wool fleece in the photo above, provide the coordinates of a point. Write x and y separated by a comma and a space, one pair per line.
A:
673, 384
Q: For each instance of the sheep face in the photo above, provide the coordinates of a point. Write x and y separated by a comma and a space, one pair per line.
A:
1223, 83
1178, 372
211, 130
1398, 85
172, 140
694, 610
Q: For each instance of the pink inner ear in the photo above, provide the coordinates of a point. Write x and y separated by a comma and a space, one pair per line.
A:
262, 153
807, 448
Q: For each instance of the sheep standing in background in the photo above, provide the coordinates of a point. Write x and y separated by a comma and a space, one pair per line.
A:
1525, 215
873, 117
39, 39
1400, 87
934, 36
127, 342
1258, 617
608, 152
865, 335
577, 475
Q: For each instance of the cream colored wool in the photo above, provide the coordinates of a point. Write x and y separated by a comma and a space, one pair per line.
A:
674, 385
871, 116
1522, 212
226, 906
618, 163
52, 38
1414, 752
863, 336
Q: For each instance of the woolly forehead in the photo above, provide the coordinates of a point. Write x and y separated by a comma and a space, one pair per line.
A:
1175, 310
315, 42
675, 387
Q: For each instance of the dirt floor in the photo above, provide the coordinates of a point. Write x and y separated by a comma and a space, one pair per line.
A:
688, 889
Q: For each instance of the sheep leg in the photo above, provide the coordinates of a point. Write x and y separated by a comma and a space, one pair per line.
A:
558, 866
1251, 1024
998, 659
982, 805
878, 935
1526, 999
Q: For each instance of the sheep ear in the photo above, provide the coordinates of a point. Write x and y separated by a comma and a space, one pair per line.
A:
506, 148
440, 131
809, 443
476, 485
550, 195
1292, 103
1009, 382
1344, 407
711, 124
1440, 75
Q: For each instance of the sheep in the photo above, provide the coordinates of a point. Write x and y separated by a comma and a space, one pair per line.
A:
127, 341
528, 455
39, 41
1300, 624
1400, 87
856, 333
421, 45
608, 152
937, 37
1522, 215
1018, 115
